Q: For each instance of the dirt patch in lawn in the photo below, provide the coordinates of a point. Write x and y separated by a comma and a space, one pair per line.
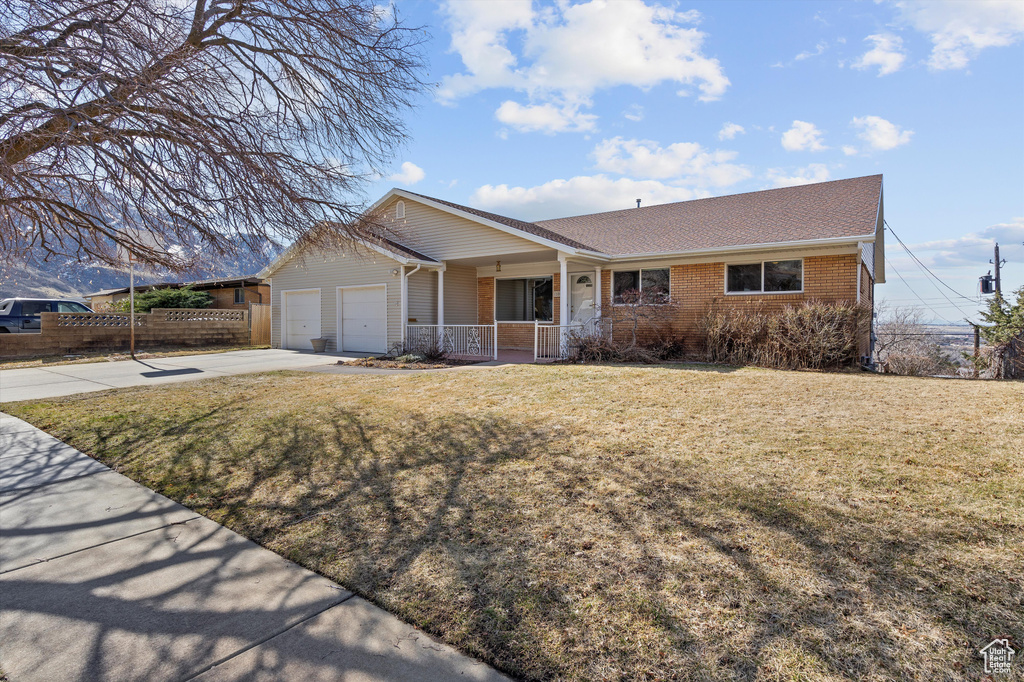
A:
589, 523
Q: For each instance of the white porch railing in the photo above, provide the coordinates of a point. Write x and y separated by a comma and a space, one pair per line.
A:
560, 341
475, 340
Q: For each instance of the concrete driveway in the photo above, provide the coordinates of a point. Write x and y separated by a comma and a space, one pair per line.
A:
36, 383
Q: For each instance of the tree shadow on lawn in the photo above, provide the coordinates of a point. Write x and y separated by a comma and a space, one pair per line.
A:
554, 560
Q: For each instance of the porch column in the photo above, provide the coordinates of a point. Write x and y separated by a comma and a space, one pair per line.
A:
440, 295
597, 292
563, 306
404, 289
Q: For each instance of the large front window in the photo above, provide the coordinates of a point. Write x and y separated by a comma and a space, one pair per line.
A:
648, 285
771, 276
523, 300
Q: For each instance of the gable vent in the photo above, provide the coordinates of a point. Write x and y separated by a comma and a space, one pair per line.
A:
400, 210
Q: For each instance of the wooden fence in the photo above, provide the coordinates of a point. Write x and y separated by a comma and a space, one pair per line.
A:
259, 324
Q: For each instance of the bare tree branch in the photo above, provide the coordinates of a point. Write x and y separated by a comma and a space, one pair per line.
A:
213, 122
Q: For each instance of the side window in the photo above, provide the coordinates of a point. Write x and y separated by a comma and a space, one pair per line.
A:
36, 307
71, 307
239, 296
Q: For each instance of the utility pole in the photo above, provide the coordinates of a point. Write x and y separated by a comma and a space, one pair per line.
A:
998, 264
977, 349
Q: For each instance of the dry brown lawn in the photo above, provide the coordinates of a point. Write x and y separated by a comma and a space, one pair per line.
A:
108, 356
590, 523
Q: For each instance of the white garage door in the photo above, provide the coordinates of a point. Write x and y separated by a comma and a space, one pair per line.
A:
364, 319
301, 319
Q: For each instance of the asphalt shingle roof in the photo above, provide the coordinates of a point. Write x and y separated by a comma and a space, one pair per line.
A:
824, 210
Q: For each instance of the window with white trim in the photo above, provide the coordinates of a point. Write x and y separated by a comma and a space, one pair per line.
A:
770, 276
239, 295
400, 210
524, 300
650, 285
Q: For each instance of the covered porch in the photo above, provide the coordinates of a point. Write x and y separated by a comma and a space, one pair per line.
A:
508, 304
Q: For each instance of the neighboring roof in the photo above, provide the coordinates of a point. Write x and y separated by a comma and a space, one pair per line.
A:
198, 284
521, 225
824, 210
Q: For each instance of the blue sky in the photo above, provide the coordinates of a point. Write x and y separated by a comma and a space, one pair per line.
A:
543, 110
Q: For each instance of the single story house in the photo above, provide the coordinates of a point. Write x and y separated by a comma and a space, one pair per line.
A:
486, 282
228, 294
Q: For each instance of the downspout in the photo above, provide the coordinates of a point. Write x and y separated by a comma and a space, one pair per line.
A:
405, 300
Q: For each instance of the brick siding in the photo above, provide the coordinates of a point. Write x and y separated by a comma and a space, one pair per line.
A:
485, 300
699, 288
696, 289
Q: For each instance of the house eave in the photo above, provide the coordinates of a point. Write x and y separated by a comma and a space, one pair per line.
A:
766, 246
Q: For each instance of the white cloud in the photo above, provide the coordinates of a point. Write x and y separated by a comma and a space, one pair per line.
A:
685, 162
634, 113
730, 130
881, 135
887, 54
546, 118
818, 49
973, 249
849, 150
815, 172
676, 172
803, 136
961, 30
569, 51
409, 175
581, 194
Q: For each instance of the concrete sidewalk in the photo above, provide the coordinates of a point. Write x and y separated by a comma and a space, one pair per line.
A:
103, 579
36, 383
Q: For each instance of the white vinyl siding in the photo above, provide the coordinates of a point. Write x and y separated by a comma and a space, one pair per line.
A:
444, 236
327, 273
867, 254
460, 298
423, 297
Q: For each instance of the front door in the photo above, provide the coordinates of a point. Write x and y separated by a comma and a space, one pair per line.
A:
581, 298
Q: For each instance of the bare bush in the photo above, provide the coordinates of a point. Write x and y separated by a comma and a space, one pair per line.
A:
814, 335
641, 331
427, 347
902, 346
205, 124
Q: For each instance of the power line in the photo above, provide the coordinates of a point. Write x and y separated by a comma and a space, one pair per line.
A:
918, 295
923, 266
